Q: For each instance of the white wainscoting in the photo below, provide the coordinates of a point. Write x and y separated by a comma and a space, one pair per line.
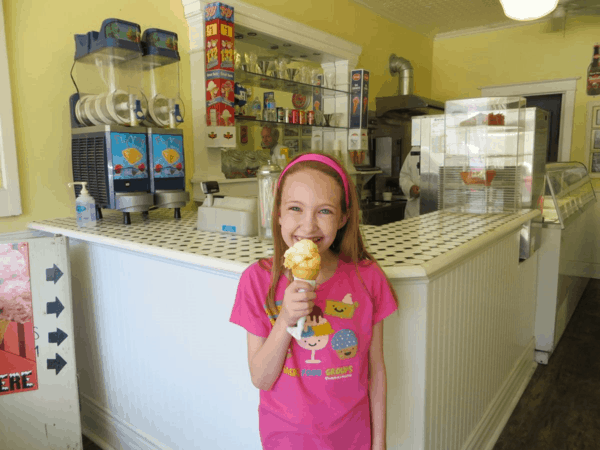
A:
461, 350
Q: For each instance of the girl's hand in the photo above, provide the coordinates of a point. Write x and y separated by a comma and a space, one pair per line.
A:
297, 304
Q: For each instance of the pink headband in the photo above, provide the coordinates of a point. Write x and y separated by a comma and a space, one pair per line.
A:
322, 159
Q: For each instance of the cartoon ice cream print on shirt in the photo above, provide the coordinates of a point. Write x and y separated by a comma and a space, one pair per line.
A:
344, 309
345, 344
315, 335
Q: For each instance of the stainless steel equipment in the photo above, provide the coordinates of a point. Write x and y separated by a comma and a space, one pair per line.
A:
267, 182
427, 136
391, 131
405, 105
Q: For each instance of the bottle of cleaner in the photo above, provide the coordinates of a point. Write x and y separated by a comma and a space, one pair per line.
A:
85, 206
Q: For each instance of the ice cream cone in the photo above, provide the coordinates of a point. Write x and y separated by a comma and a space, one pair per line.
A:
306, 274
3, 326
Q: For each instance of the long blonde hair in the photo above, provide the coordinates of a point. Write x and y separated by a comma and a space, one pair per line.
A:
348, 239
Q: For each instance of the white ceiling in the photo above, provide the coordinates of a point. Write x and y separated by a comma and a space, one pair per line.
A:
446, 18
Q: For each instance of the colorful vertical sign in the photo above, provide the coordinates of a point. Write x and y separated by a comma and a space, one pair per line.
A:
220, 84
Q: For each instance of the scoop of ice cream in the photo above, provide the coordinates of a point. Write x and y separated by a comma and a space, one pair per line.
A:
304, 255
15, 290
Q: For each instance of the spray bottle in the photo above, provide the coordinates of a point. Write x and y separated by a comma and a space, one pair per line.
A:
85, 206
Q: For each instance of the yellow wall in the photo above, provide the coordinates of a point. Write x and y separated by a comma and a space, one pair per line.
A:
41, 48
527, 53
378, 37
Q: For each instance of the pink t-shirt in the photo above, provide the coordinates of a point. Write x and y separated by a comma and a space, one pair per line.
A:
320, 400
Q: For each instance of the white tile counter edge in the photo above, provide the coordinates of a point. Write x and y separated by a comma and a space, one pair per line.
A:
233, 269
197, 261
440, 264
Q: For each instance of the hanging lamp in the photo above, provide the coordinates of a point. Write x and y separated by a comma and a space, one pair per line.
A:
528, 9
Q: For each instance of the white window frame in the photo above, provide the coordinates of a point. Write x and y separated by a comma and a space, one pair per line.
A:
10, 193
567, 87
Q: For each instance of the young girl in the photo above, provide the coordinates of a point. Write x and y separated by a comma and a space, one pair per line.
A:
327, 390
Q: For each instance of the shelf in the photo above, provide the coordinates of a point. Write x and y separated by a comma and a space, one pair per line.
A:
486, 128
278, 84
268, 122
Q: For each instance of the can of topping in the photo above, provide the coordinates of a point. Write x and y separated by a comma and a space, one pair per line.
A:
295, 116
302, 117
310, 117
280, 115
288, 115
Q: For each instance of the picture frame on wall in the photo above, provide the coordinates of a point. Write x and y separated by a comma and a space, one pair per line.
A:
595, 165
596, 144
592, 139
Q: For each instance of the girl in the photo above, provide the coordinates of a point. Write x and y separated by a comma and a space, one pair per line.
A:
328, 390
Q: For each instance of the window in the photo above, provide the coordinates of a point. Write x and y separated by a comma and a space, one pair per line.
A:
10, 196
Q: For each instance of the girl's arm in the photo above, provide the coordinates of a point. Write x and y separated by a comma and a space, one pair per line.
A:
267, 355
377, 389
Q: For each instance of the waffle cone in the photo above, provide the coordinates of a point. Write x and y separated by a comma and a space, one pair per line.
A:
3, 326
306, 274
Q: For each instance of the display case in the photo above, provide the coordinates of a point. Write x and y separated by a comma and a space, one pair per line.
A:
569, 192
483, 156
311, 96
568, 254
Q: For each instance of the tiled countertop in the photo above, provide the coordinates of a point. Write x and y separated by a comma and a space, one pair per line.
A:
410, 248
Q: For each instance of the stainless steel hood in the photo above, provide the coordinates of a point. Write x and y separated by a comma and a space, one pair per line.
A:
405, 104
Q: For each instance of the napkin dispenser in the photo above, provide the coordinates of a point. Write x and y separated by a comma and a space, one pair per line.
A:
233, 215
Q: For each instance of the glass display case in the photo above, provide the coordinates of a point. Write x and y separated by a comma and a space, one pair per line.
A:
483, 169
569, 192
310, 103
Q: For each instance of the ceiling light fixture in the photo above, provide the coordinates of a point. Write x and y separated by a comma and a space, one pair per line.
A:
528, 9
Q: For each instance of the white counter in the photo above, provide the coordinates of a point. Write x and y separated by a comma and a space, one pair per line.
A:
161, 367
418, 247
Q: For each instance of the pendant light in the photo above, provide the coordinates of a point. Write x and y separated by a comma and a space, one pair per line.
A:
528, 9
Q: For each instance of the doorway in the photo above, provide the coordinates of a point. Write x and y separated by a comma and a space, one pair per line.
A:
552, 103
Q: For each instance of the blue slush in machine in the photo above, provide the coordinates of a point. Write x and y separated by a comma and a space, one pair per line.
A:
109, 148
160, 63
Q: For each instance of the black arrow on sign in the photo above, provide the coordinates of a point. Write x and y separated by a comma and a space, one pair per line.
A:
55, 307
57, 364
53, 274
57, 337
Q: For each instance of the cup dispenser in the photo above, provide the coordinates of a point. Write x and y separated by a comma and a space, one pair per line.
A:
108, 145
160, 63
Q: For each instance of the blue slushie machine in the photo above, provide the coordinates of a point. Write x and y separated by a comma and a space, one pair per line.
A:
125, 143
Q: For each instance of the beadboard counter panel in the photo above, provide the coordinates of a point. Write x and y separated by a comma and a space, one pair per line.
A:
161, 367
419, 247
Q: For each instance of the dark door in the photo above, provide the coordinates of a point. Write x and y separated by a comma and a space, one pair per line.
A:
551, 103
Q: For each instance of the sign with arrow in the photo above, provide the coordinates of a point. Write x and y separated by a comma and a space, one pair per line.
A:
47, 414
55, 307
58, 363
57, 337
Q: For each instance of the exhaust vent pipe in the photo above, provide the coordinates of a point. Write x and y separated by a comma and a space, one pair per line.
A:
404, 69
